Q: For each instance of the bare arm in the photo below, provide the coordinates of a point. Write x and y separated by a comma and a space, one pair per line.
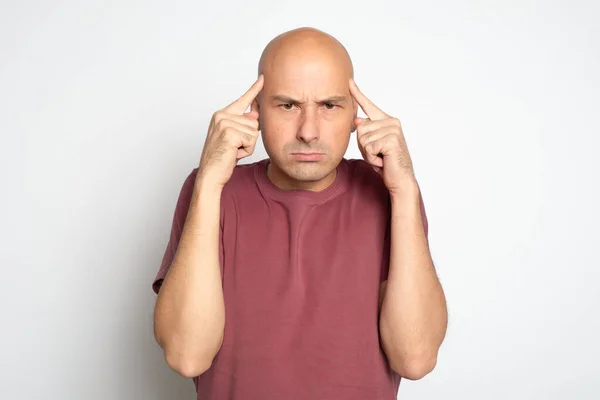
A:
413, 317
189, 317
413, 314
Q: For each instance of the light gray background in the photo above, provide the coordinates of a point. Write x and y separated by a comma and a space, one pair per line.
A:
103, 113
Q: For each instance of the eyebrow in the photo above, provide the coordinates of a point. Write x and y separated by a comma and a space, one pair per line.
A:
290, 100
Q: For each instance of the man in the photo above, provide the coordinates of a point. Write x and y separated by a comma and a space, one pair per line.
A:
304, 275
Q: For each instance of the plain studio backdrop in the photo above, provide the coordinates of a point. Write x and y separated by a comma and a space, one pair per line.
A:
104, 108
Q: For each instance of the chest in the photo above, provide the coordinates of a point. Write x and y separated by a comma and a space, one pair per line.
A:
302, 281
306, 252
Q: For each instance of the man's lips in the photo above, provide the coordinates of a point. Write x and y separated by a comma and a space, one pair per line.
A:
307, 156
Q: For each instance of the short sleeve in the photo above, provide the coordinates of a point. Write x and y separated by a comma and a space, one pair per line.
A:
179, 217
387, 241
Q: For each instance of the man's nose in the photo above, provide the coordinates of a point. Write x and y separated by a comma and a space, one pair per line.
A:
308, 130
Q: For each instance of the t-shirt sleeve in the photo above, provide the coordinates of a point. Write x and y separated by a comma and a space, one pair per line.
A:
179, 217
387, 242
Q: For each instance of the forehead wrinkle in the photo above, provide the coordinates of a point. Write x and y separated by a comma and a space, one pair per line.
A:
290, 99
333, 99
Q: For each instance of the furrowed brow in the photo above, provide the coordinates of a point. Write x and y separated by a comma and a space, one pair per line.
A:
290, 100
333, 100
285, 99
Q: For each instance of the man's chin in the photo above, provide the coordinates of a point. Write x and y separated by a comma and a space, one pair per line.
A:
308, 171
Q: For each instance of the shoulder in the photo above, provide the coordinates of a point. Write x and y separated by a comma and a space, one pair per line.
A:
242, 184
241, 180
363, 178
243, 174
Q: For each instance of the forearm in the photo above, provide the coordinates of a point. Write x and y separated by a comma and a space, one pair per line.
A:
190, 311
413, 315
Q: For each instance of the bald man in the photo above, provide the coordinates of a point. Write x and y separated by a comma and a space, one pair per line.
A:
304, 275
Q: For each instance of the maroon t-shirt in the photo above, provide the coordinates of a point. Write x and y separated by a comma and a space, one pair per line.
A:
301, 275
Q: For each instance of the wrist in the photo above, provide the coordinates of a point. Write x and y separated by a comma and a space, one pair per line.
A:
207, 183
405, 192
206, 189
405, 203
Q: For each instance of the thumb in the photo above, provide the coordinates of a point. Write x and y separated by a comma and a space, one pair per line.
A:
251, 114
254, 113
254, 105
359, 120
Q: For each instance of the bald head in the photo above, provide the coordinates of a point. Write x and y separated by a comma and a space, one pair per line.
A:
305, 106
304, 47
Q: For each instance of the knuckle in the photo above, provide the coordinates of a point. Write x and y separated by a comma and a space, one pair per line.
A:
390, 131
253, 123
223, 125
218, 116
228, 134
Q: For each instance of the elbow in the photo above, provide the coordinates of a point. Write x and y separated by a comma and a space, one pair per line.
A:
185, 361
182, 359
188, 367
414, 368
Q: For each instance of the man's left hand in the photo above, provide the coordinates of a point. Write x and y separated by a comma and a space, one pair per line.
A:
382, 144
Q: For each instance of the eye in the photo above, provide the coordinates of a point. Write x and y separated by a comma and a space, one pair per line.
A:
330, 106
287, 106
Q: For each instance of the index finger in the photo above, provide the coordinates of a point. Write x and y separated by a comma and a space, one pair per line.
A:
372, 111
240, 105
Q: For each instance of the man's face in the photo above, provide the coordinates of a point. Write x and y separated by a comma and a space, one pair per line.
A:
306, 107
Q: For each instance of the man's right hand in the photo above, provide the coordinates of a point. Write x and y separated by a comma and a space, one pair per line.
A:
232, 135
